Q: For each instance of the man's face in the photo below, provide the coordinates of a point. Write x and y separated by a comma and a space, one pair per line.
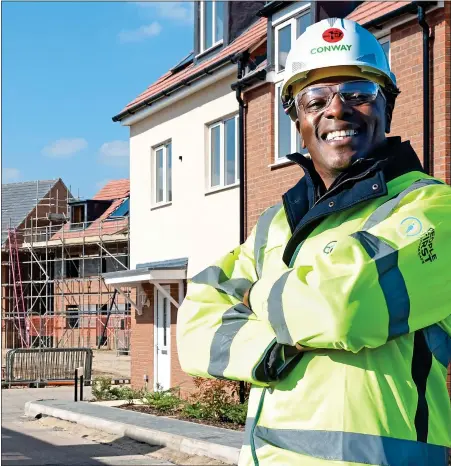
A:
332, 157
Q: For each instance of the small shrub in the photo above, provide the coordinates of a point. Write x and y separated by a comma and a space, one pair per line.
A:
101, 387
235, 413
194, 411
165, 400
218, 400
103, 391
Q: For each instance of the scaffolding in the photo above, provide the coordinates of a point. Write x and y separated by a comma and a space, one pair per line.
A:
53, 293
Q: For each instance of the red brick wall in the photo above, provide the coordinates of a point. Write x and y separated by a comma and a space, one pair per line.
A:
142, 345
407, 64
142, 342
178, 377
264, 184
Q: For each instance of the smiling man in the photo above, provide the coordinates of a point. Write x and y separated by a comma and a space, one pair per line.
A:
337, 307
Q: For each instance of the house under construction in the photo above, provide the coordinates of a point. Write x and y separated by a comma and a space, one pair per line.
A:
54, 249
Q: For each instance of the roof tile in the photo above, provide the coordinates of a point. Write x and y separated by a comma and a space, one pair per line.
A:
115, 190
370, 10
19, 200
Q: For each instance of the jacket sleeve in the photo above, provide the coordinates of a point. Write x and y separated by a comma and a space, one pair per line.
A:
217, 335
374, 286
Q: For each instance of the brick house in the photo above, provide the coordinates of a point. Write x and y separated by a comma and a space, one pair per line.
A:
60, 245
161, 123
183, 177
270, 135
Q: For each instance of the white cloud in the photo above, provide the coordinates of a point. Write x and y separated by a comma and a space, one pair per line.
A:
65, 147
10, 175
115, 153
115, 149
177, 11
142, 33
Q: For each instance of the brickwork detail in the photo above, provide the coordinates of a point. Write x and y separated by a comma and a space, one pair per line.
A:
142, 344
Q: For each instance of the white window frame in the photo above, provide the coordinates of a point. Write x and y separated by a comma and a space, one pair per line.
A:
293, 22
202, 31
383, 40
293, 132
222, 171
165, 200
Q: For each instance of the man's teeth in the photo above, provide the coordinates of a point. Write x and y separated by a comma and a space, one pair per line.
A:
339, 135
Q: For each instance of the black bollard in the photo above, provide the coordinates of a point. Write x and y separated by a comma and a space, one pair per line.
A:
81, 387
76, 385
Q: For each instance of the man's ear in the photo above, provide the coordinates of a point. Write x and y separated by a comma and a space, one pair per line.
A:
298, 129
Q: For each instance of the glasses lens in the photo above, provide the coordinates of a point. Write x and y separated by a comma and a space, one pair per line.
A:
316, 99
359, 92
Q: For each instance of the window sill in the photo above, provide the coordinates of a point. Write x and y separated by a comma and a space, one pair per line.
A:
161, 205
222, 188
213, 47
284, 162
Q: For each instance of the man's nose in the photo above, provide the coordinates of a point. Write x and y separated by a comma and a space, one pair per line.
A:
337, 108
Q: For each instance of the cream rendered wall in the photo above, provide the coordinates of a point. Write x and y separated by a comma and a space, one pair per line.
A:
196, 225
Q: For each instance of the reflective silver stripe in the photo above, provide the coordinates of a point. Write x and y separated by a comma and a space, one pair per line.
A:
384, 211
248, 430
232, 321
261, 235
439, 343
391, 281
214, 276
275, 311
352, 447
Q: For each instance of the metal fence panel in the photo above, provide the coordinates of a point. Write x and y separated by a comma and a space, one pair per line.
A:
47, 364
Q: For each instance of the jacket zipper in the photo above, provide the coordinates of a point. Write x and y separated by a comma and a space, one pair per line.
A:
324, 196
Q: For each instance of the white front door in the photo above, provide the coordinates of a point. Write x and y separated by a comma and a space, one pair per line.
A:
162, 375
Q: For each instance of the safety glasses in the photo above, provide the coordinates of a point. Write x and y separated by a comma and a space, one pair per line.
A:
317, 98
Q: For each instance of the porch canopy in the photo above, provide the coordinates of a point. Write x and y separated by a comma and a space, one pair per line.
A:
155, 273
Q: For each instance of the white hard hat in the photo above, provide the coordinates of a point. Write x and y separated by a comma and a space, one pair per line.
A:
330, 48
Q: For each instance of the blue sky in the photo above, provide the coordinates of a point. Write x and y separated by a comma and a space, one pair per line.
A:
67, 69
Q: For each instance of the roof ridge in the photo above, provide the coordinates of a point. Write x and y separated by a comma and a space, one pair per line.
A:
55, 180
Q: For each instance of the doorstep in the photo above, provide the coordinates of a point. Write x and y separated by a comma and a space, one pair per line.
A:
187, 437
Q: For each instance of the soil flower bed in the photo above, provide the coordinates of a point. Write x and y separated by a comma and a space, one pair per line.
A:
213, 402
209, 422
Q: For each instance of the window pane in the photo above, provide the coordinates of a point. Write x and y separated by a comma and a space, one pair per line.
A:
302, 23
215, 155
208, 24
159, 175
219, 17
386, 47
284, 131
169, 172
230, 151
284, 36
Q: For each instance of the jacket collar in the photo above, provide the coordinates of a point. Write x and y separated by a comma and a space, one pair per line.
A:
387, 162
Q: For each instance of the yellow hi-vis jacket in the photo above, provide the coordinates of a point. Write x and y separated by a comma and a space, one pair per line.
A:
362, 277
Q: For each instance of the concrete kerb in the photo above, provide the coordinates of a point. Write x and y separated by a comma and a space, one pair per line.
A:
153, 437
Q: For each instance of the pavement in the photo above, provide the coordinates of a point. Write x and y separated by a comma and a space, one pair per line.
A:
182, 436
28, 441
